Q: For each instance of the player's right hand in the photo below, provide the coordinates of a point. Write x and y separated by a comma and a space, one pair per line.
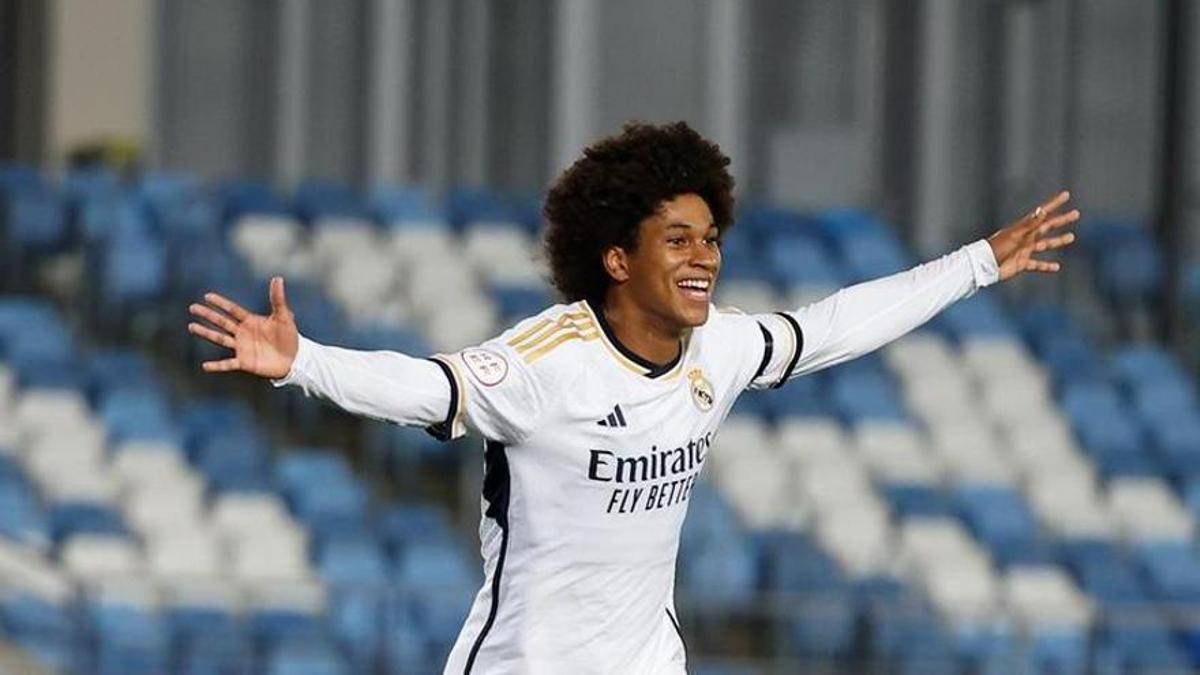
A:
262, 345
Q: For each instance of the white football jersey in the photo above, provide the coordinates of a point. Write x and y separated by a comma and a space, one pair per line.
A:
591, 458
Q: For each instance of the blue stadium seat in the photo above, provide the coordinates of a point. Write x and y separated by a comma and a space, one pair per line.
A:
160, 191
399, 524
723, 575
978, 317
120, 369
822, 625
763, 222
518, 302
138, 413
70, 518
798, 260
22, 519
398, 205
997, 516
710, 520
861, 396
300, 469
1173, 570
1140, 642
916, 500
1128, 264
407, 647
128, 640
356, 620
478, 204
190, 219
351, 562
48, 629
332, 508
316, 199
34, 222
308, 657
241, 197
870, 255
791, 562
1141, 364
15, 177
134, 272
271, 626
741, 259
904, 627
386, 338
112, 217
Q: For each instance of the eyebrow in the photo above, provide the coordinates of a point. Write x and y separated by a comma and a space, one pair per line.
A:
688, 226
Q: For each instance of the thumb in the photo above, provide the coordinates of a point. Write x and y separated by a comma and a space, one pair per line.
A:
279, 304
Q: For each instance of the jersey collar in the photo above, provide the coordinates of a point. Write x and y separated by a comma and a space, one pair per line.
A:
626, 356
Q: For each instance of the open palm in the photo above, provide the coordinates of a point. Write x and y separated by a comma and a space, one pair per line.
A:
1015, 246
262, 345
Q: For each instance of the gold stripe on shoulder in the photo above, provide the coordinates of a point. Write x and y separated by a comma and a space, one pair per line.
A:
565, 322
529, 333
564, 336
542, 324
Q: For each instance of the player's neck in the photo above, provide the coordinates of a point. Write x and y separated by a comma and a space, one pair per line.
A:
640, 332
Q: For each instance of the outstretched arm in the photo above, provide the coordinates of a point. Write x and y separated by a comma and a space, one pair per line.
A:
382, 385
861, 318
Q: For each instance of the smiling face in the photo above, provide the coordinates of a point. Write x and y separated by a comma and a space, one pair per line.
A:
671, 275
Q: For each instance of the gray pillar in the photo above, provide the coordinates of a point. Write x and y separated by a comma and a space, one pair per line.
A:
475, 101
292, 95
435, 94
575, 79
388, 118
934, 211
728, 87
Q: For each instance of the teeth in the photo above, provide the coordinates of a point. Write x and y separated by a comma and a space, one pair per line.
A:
694, 283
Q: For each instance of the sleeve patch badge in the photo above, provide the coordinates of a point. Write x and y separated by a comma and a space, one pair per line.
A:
489, 368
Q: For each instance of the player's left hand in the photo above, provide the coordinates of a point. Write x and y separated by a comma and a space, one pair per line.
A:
1015, 245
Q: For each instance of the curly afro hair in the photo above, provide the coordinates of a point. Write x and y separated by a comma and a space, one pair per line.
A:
618, 182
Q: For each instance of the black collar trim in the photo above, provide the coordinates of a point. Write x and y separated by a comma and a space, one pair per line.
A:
653, 369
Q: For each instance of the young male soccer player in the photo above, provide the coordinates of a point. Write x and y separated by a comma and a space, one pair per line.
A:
598, 414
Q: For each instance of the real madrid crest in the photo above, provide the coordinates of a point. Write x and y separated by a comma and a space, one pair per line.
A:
702, 391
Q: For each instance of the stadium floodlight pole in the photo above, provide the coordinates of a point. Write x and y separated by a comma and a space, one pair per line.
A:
598, 414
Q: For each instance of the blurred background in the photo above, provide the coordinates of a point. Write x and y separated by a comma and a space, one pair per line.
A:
1014, 488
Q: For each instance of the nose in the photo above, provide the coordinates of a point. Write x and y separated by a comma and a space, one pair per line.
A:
706, 256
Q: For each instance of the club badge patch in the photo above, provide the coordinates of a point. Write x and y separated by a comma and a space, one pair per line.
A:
485, 365
702, 391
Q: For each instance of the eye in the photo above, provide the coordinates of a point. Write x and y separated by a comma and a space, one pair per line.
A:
713, 241
677, 241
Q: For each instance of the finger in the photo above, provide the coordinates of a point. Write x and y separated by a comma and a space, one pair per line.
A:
1050, 205
1054, 242
216, 337
278, 297
1059, 221
228, 306
1045, 266
213, 316
223, 366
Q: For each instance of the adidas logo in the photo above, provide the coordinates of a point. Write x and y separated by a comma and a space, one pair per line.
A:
616, 418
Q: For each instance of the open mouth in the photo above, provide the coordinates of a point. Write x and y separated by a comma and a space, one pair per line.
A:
695, 289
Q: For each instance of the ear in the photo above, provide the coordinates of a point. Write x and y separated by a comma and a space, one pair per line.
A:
616, 263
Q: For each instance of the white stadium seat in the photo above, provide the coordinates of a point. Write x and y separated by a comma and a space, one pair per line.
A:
267, 242
90, 556
185, 554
